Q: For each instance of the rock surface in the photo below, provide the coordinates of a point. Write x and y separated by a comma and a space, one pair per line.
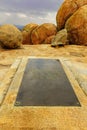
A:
68, 8
76, 27
73, 119
10, 37
43, 31
60, 39
26, 32
49, 39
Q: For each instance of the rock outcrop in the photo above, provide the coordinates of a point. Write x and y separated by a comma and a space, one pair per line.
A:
43, 31
76, 27
68, 8
10, 36
60, 39
26, 32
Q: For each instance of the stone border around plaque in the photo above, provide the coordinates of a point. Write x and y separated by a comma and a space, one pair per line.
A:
13, 79
45, 83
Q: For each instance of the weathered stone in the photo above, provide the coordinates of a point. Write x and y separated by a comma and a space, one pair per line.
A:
60, 39
26, 32
76, 27
68, 8
43, 31
10, 36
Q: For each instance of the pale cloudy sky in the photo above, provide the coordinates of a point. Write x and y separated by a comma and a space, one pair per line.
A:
22, 12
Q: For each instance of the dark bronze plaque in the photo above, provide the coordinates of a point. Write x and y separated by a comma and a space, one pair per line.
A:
45, 84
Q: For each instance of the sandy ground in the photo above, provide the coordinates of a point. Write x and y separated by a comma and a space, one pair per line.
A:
61, 118
75, 53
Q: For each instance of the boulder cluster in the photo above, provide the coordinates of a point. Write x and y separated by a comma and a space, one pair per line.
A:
38, 34
71, 28
72, 16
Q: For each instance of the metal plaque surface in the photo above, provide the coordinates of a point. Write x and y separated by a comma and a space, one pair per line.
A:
45, 83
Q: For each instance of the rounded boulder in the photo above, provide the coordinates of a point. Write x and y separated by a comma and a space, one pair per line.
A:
26, 32
10, 37
76, 27
67, 9
43, 31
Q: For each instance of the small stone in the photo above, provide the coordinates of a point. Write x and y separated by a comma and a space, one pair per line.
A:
60, 39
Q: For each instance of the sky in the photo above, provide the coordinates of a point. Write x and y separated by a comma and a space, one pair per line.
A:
22, 12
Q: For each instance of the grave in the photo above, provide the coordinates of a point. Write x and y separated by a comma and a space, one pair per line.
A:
45, 83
